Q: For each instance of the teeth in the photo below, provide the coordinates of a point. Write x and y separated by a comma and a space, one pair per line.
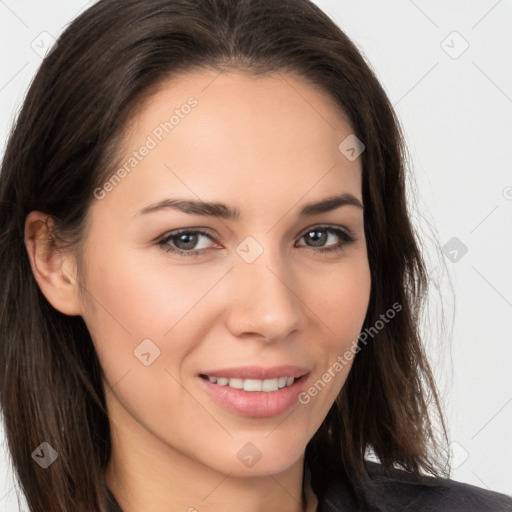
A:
254, 384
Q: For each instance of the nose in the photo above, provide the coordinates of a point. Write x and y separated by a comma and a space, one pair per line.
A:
264, 299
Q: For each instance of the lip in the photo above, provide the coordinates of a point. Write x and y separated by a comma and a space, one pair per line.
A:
255, 404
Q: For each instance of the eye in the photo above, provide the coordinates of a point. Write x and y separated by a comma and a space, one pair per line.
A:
184, 242
323, 238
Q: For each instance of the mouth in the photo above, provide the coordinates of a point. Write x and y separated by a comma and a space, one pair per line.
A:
254, 391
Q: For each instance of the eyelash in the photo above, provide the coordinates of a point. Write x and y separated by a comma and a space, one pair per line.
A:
346, 236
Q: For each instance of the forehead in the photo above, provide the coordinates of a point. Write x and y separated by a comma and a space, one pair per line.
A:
235, 137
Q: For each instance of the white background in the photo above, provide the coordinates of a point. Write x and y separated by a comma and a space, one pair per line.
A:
456, 112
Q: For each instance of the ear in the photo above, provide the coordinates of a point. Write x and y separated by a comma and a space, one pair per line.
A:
53, 269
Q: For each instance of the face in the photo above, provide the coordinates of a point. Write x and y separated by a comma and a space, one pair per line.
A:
180, 301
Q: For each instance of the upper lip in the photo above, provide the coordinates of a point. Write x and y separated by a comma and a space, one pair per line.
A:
257, 372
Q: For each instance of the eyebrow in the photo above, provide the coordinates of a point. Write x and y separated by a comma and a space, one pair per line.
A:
223, 211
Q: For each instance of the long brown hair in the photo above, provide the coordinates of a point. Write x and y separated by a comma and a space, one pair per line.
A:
63, 145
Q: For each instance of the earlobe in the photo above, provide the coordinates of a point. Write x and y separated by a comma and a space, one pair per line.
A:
53, 269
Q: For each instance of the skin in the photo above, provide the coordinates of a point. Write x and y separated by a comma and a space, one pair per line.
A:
267, 146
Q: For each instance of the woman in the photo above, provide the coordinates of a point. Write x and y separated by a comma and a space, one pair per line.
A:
211, 283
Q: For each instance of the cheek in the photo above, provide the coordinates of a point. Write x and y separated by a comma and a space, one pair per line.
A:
132, 299
133, 292
141, 318
340, 299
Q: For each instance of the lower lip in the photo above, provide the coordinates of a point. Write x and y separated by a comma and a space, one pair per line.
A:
256, 404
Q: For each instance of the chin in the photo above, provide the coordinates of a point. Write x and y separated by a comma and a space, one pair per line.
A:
257, 455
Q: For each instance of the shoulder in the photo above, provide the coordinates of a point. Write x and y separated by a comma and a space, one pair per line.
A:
401, 489
393, 490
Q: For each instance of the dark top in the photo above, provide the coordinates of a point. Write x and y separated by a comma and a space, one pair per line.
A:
390, 490
395, 490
